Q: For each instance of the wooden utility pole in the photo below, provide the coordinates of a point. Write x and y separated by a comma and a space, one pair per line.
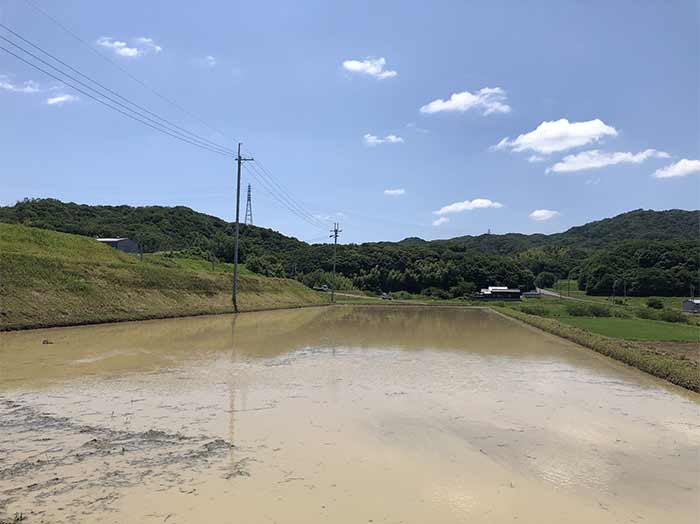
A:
334, 236
239, 161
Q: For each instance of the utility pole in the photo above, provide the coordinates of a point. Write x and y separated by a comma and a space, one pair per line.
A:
239, 161
334, 236
248, 221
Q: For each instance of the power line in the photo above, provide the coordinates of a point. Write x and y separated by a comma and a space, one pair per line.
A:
158, 123
270, 190
129, 115
291, 202
151, 123
120, 68
173, 127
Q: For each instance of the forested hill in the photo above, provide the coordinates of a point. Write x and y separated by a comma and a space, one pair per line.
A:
640, 224
165, 228
654, 251
157, 228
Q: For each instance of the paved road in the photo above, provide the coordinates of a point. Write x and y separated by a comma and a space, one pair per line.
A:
548, 293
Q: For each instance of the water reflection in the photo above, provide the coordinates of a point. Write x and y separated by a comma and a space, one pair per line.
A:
451, 414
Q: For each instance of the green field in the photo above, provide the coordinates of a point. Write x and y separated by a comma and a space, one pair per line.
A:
636, 329
55, 279
570, 288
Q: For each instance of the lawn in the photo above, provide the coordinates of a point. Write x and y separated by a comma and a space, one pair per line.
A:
635, 329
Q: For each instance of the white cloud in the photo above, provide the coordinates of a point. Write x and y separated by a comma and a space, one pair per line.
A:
535, 158
559, 135
417, 129
119, 48
683, 167
394, 192
139, 46
29, 86
440, 221
373, 140
148, 43
488, 99
542, 215
61, 99
596, 159
370, 66
468, 205
330, 216
210, 60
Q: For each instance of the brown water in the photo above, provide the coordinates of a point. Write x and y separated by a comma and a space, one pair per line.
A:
344, 414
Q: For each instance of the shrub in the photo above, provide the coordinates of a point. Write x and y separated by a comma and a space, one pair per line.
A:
647, 314
588, 310
599, 310
655, 303
673, 316
578, 310
463, 289
266, 265
536, 309
435, 292
620, 313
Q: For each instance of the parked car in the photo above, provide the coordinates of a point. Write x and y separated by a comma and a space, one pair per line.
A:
387, 296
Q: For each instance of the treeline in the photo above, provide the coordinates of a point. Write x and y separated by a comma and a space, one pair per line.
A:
646, 252
643, 269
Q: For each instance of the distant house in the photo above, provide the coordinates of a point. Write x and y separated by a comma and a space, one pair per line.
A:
499, 293
122, 244
691, 305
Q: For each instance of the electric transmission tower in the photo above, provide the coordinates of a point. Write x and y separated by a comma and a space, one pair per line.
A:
248, 221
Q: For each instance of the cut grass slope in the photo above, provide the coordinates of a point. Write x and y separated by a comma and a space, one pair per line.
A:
55, 279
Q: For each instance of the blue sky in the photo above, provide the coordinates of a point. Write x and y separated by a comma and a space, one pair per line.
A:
509, 116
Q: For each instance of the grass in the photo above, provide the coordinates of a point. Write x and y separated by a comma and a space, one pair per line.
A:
636, 329
56, 279
629, 302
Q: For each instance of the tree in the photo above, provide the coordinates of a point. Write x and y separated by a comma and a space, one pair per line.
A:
545, 279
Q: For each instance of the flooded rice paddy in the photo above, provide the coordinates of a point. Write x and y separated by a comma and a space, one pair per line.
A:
344, 415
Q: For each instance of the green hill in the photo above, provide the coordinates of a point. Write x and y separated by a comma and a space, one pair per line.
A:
451, 267
53, 279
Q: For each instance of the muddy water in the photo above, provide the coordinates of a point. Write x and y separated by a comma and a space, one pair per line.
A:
345, 414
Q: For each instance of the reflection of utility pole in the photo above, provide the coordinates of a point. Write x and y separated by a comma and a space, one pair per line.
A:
232, 395
239, 161
334, 236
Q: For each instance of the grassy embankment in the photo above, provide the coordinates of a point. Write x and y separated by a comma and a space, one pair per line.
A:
56, 279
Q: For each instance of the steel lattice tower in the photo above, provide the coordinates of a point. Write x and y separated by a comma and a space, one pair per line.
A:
248, 210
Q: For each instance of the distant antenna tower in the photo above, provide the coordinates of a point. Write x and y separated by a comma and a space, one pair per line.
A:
248, 210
